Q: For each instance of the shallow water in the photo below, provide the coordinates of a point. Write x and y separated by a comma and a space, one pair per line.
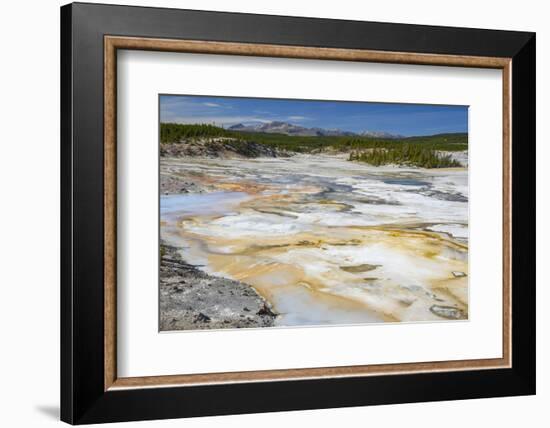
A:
325, 240
199, 204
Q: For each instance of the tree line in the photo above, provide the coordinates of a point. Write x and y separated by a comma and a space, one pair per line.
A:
419, 151
175, 132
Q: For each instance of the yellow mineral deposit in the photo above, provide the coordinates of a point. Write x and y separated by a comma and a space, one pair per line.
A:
328, 241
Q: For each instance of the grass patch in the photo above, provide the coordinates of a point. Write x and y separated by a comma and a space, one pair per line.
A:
406, 154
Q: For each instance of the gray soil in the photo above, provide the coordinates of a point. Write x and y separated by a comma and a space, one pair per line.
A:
171, 184
221, 147
190, 299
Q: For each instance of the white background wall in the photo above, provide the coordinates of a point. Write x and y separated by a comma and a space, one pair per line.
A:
29, 212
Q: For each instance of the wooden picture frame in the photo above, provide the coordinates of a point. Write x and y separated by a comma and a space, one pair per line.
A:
91, 390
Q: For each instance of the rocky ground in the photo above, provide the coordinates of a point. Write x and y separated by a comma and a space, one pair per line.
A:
191, 299
221, 147
175, 184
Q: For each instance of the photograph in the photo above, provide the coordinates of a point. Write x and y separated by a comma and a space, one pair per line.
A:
294, 213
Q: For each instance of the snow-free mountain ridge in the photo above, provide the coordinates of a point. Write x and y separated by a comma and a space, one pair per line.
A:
278, 127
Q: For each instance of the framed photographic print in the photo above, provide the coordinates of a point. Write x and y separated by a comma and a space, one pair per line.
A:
265, 213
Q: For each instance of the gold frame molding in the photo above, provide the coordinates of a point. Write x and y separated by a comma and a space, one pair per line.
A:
113, 43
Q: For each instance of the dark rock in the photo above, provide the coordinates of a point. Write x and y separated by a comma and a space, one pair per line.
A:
448, 312
359, 268
202, 318
266, 311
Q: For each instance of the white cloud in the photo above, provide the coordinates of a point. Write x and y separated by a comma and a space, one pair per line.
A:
298, 118
218, 120
188, 111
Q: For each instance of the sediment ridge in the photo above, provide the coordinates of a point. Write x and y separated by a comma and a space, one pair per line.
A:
220, 147
192, 299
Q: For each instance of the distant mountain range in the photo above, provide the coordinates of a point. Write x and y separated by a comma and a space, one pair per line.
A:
277, 127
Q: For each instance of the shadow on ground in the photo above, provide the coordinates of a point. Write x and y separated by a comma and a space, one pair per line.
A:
50, 411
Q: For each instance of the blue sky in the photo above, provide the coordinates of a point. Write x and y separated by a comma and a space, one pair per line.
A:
405, 119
